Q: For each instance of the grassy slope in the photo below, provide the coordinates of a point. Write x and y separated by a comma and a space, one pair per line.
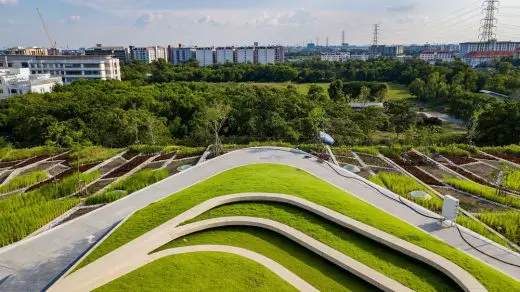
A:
188, 272
403, 269
312, 268
288, 180
23, 181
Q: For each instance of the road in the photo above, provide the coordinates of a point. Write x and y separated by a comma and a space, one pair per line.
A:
34, 263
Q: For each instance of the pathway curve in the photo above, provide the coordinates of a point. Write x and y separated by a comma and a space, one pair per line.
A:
35, 262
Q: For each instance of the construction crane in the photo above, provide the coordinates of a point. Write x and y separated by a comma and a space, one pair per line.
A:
53, 43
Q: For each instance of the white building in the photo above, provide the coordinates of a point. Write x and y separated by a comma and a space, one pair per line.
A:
474, 59
335, 57
225, 55
15, 81
245, 55
148, 54
204, 56
434, 56
68, 68
362, 57
493, 46
266, 55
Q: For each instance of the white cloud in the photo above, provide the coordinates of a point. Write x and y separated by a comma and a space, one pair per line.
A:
209, 20
75, 18
287, 18
148, 18
402, 8
6, 2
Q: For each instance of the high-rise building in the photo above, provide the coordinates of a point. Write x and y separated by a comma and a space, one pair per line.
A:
68, 68
335, 57
224, 55
120, 52
180, 54
148, 54
435, 56
476, 53
387, 51
245, 55
265, 55
15, 81
205, 56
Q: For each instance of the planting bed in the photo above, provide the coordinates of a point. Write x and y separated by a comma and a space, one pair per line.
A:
129, 155
79, 213
372, 160
509, 157
415, 171
172, 167
97, 186
467, 175
127, 167
7, 164
112, 165
165, 156
61, 176
483, 170
31, 161
469, 203
57, 169
460, 160
348, 160
436, 172
154, 165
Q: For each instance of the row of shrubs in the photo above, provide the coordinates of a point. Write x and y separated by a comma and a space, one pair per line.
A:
486, 192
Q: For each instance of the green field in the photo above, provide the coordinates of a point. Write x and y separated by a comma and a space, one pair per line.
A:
288, 180
189, 272
302, 88
398, 92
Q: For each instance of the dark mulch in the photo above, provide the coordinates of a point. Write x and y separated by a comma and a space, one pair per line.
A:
415, 171
9, 163
31, 161
79, 213
468, 175
509, 157
460, 160
165, 156
62, 175
125, 168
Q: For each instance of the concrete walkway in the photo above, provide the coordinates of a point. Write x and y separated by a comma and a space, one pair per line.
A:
153, 240
36, 262
135, 254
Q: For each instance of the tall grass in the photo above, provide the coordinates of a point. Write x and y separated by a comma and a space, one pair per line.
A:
512, 149
483, 191
18, 154
451, 150
92, 154
183, 151
135, 182
393, 151
512, 179
23, 181
366, 149
22, 214
507, 223
403, 185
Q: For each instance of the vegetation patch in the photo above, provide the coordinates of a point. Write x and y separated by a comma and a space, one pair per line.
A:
512, 179
92, 154
189, 272
366, 150
507, 223
407, 271
10, 154
23, 181
489, 193
315, 270
135, 182
273, 178
22, 214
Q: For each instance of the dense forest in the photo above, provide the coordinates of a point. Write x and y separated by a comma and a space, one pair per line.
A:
160, 103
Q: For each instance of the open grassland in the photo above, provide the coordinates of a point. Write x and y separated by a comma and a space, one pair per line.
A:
397, 266
22, 214
272, 178
23, 181
320, 273
92, 154
135, 182
189, 272
398, 92
483, 191
507, 223
302, 88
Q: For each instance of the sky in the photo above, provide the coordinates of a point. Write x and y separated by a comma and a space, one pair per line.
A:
84, 23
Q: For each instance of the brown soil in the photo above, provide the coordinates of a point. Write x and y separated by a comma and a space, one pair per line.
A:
509, 157
372, 160
348, 160
470, 203
165, 156
483, 170
468, 175
460, 160
61, 176
415, 171
127, 167
31, 161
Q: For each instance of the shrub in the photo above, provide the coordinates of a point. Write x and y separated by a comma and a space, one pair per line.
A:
403, 185
507, 223
512, 149
23, 181
135, 182
452, 150
366, 150
483, 191
92, 154
394, 151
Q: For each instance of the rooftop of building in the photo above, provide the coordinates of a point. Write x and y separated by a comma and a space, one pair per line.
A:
489, 54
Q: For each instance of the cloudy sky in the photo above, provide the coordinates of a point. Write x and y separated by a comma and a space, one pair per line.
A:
83, 23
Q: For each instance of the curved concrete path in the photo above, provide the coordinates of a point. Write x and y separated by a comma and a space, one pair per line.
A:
275, 267
36, 262
135, 255
170, 230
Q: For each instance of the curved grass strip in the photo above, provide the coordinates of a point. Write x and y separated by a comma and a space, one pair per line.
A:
405, 270
23, 181
312, 268
189, 272
483, 191
273, 178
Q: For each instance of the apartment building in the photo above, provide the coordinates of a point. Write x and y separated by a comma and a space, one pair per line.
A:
436, 56
68, 68
120, 52
180, 54
15, 81
335, 57
361, 57
387, 51
148, 54
224, 55
205, 56
475, 59
245, 55
265, 55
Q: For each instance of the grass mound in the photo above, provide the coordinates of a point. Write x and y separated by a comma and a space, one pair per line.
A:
274, 178
320, 273
405, 270
189, 272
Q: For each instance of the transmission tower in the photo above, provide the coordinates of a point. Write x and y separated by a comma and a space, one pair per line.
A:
327, 42
488, 23
376, 34
342, 37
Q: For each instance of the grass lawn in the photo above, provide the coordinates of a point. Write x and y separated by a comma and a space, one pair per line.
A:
397, 266
315, 270
189, 272
398, 92
302, 88
274, 178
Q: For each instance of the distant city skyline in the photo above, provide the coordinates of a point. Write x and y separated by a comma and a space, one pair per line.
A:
83, 23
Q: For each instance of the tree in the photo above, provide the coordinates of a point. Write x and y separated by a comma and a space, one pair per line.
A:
364, 94
402, 115
317, 93
215, 116
336, 90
